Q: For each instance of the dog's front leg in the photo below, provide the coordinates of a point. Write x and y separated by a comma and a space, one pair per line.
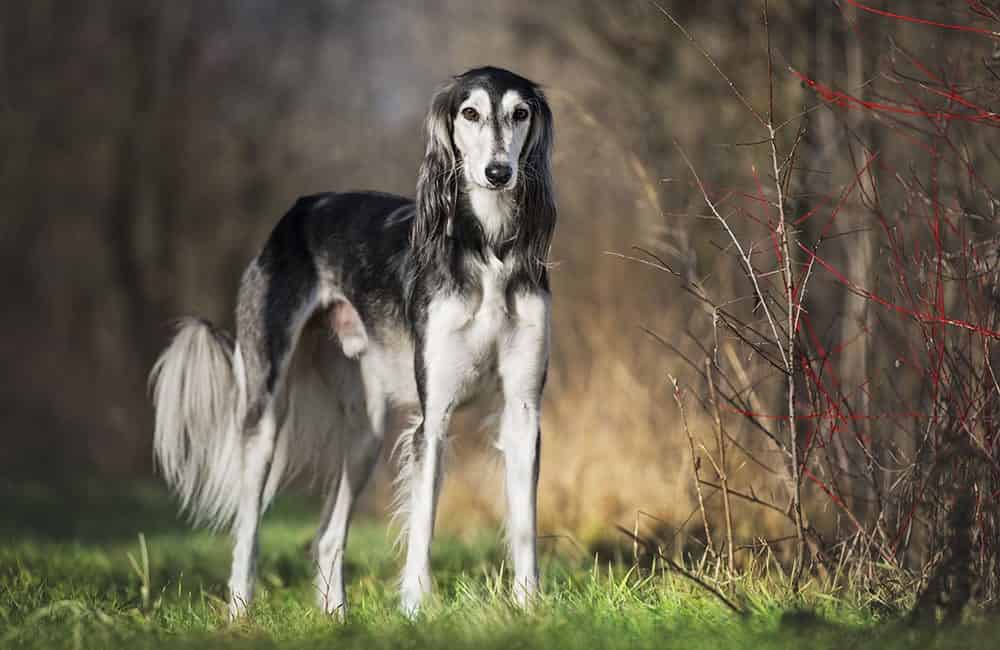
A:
442, 362
523, 358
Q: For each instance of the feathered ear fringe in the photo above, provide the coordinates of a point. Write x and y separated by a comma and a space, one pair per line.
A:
437, 181
537, 201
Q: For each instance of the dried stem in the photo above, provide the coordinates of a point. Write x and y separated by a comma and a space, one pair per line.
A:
695, 463
723, 465
792, 307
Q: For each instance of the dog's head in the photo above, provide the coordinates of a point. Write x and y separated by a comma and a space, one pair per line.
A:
493, 122
487, 128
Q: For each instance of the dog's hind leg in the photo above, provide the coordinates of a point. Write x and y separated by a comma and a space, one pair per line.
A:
332, 539
258, 453
362, 441
270, 316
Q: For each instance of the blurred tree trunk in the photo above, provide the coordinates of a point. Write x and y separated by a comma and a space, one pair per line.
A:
837, 57
856, 323
156, 51
148, 175
131, 161
818, 158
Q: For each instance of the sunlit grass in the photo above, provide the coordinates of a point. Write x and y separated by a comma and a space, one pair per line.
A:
79, 583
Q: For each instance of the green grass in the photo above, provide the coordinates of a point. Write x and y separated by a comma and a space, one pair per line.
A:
72, 574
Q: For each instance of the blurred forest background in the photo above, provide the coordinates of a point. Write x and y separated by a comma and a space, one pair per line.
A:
149, 147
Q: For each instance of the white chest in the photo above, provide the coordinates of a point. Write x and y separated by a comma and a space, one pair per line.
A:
464, 333
485, 313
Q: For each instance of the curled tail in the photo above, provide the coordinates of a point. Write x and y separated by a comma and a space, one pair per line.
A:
197, 441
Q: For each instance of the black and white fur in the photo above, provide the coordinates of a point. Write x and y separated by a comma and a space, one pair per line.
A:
365, 304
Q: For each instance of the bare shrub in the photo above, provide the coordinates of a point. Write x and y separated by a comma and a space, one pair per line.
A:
855, 347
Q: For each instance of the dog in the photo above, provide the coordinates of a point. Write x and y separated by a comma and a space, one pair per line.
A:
364, 305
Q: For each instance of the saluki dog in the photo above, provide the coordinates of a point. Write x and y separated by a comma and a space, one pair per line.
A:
362, 306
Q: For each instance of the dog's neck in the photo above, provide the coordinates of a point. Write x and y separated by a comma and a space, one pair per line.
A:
493, 209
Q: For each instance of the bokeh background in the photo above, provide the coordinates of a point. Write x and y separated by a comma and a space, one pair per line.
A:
149, 147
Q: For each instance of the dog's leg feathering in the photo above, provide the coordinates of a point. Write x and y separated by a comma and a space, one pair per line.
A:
423, 485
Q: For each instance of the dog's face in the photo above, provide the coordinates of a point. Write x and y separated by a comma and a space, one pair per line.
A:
492, 113
490, 131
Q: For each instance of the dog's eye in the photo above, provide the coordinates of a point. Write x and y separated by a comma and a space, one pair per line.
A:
470, 114
520, 114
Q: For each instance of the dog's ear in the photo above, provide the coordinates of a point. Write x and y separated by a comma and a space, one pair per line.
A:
538, 204
539, 146
437, 182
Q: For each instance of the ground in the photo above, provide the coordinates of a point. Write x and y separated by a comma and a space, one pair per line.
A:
73, 574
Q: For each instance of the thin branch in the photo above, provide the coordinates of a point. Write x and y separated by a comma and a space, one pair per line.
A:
724, 473
793, 309
652, 548
695, 463
744, 257
711, 61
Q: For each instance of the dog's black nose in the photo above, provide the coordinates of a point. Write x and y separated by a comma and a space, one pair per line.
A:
498, 173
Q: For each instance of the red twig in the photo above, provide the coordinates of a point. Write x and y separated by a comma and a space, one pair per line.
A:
922, 21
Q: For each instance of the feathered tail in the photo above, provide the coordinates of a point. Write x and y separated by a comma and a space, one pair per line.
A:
198, 399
